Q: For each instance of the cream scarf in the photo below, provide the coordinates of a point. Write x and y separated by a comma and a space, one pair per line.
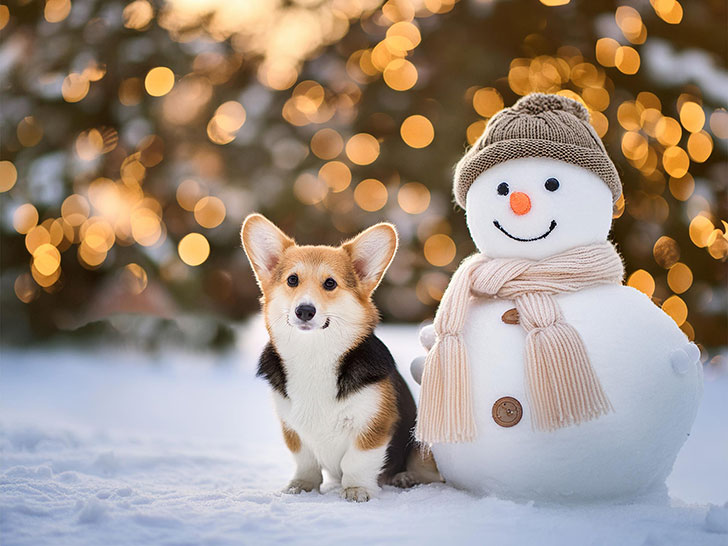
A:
562, 387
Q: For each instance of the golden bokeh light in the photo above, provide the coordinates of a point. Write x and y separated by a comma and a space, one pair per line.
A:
327, 143
230, 116
692, 116
29, 131
628, 115
627, 60
439, 250
679, 278
413, 198
634, 145
134, 278
417, 131
88, 257
89, 145
36, 237
474, 131
75, 87
403, 36
56, 11
209, 212
606, 51
700, 146
675, 161
676, 308
193, 249
400, 75
159, 81
371, 195
666, 252
553, 3
600, 123
46, 259
138, 15
25, 218
25, 289
700, 230
4, 16
98, 234
487, 101
682, 188
189, 192
146, 226
629, 22
336, 175
75, 209
642, 281
362, 149
8, 175
217, 134
669, 11
310, 189
668, 131
719, 123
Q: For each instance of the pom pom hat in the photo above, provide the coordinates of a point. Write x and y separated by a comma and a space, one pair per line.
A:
538, 125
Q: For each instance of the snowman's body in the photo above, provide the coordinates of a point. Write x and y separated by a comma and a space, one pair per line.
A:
535, 208
625, 453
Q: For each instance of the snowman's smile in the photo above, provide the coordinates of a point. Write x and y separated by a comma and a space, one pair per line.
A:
551, 228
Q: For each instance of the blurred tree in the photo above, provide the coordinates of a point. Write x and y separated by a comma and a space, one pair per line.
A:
137, 136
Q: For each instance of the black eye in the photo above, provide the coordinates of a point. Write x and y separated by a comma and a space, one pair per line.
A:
503, 188
292, 280
329, 284
552, 184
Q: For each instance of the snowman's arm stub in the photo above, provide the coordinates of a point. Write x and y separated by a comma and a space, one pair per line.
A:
684, 357
417, 368
428, 336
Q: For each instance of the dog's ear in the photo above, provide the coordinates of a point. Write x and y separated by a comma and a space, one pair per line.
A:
371, 253
264, 244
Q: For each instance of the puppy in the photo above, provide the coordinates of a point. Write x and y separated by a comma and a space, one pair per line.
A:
343, 405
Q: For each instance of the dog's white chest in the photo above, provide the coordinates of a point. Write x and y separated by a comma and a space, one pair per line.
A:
325, 424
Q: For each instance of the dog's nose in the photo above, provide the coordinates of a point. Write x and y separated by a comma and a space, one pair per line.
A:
305, 312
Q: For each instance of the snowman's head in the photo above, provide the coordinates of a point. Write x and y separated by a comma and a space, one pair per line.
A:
536, 207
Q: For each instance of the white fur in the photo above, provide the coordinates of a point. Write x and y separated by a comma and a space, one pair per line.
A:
581, 207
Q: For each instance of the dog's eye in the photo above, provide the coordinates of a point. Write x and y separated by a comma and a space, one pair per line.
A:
503, 188
292, 280
552, 184
329, 284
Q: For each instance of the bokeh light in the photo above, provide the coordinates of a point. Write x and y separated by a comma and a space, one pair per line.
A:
193, 249
417, 131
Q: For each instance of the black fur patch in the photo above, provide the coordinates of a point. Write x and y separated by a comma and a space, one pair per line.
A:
367, 363
270, 368
371, 362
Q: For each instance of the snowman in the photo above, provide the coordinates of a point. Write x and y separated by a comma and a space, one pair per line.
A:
546, 377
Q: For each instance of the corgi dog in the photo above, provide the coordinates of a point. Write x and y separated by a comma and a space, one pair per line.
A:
343, 405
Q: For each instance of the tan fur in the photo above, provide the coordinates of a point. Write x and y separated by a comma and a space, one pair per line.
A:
379, 429
293, 441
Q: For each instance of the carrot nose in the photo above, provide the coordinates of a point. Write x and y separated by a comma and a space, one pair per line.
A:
520, 203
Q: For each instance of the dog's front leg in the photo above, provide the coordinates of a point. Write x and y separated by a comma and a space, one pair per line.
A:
360, 471
308, 471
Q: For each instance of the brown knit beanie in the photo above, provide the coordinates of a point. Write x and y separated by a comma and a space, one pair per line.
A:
538, 125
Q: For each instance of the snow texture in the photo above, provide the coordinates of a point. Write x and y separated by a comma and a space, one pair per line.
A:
111, 447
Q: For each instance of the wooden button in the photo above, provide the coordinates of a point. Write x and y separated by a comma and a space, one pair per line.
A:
507, 411
510, 316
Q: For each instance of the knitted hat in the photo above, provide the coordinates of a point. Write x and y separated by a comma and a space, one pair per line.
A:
538, 125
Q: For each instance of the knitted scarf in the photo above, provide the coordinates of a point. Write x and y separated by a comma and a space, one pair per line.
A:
562, 387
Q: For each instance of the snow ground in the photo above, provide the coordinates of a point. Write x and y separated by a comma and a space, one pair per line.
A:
130, 448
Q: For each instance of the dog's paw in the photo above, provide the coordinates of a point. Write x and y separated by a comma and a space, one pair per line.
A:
300, 486
355, 494
404, 480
